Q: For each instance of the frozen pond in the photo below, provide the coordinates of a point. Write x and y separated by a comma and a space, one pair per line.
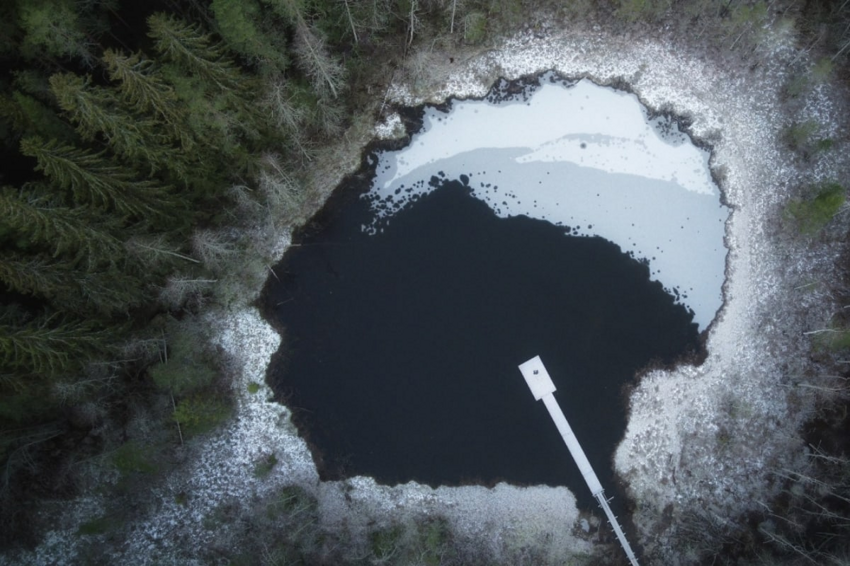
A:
549, 220
580, 156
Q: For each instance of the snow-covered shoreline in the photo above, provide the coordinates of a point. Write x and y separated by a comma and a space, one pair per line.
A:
705, 438
702, 437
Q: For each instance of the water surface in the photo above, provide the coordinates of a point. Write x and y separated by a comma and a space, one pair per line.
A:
401, 348
550, 219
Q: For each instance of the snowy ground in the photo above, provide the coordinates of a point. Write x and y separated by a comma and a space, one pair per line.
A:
698, 438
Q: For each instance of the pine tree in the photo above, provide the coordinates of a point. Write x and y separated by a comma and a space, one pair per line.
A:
95, 110
195, 51
70, 232
91, 179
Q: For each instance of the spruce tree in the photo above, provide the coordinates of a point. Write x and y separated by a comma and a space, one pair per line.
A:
36, 118
90, 294
39, 277
12, 114
195, 51
221, 105
70, 232
92, 179
241, 24
50, 345
53, 28
8, 29
33, 106
95, 110
110, 291
289, 10
142, 88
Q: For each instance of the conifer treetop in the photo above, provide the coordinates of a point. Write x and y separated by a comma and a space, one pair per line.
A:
93, 179
193, 49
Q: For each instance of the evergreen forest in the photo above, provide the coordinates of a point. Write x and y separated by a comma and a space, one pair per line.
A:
138, 143
146, 146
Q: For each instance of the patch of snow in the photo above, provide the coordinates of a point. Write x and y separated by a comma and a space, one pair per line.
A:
391, 128
585, 157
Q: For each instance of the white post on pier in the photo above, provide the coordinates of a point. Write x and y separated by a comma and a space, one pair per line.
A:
542, 388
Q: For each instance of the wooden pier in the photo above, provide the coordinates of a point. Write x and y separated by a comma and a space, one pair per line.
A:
541, 386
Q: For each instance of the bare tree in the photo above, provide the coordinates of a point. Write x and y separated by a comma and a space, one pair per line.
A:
279, 102
277, 185
351, 20
288, 115
181, 289
153, 250
413, 21
324, 71
214, 248
245, 199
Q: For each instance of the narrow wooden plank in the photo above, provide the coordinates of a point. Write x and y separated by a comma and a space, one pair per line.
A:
542, 387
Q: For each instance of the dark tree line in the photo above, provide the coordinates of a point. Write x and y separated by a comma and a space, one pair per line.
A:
123, 172
120, 163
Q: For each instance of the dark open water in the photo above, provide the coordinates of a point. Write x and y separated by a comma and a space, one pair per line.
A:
401, 349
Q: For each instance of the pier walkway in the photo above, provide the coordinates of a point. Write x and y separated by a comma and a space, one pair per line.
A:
542, 388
